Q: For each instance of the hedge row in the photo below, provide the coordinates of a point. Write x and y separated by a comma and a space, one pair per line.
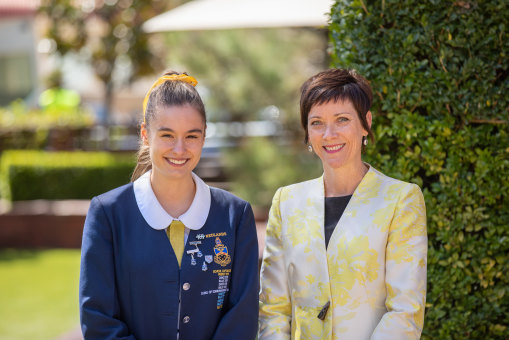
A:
440, 75
28, 175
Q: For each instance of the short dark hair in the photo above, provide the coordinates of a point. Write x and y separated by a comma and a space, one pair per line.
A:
336, 85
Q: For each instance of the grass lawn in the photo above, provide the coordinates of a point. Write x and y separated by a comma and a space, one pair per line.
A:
38, 293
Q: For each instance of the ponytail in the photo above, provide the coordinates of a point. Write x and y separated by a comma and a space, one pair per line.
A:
143, 162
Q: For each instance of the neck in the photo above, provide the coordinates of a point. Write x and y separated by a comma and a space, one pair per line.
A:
343, 181
174, 195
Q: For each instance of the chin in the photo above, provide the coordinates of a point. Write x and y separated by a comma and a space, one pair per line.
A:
173, 173
333, 164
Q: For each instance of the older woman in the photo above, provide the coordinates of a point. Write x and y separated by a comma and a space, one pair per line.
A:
345, 254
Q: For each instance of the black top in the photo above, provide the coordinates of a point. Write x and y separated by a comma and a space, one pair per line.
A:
334, 208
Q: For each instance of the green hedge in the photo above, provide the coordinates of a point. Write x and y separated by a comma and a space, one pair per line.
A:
439, 71
28, 175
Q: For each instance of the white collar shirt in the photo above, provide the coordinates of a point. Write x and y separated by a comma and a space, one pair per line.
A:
155, 215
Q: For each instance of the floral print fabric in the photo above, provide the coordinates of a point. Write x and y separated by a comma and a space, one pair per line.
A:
373, 272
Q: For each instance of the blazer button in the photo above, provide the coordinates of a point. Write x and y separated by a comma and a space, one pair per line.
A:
186, 286
186, 319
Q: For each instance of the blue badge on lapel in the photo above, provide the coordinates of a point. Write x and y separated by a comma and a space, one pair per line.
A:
221, 253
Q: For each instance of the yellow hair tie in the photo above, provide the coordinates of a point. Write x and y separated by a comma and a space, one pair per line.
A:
182, 77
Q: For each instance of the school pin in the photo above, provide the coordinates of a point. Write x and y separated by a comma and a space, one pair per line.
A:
192, 252
196, 243
209, 258
204, 266
200, 236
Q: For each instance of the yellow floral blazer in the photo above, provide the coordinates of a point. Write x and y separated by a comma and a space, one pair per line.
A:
373, 272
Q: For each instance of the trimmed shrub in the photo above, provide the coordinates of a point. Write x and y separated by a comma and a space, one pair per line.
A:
28, 175
439, 71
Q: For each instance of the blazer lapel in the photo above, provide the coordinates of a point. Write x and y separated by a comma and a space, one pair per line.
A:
303, 213
314, 210
347, 225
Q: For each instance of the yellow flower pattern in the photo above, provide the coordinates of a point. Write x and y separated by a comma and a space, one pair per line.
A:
373, 272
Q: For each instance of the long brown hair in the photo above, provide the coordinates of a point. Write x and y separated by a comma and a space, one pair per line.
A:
169, 93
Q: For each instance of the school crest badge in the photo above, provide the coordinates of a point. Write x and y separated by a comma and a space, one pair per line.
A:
221, 253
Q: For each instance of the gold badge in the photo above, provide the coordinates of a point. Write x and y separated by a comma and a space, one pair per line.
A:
221, 253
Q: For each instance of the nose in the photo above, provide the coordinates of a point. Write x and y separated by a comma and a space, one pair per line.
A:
329, 132
179, 146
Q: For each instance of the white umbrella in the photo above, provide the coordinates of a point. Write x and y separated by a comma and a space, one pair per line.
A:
227, 14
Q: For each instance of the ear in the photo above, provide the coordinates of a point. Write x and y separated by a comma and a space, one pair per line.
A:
144, 134
369, 118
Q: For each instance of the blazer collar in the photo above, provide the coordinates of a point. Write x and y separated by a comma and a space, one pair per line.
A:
362, 195
155, 215
360, 192
316, 193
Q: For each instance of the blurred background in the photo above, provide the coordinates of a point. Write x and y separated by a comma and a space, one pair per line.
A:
73, 75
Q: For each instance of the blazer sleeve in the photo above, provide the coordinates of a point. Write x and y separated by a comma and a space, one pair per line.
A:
98, 299
241, 316
275, 304
405, 274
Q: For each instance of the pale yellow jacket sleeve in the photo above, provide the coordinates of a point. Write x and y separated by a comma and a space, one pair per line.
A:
405, 274
275, 304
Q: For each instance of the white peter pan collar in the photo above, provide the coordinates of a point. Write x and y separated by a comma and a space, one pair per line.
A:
155, 215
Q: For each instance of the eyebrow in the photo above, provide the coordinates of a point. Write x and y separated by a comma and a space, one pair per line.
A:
336, 114
171, 130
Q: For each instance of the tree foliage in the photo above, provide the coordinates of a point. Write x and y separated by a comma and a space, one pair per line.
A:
247, 70
261, 165
439, 71
108, 34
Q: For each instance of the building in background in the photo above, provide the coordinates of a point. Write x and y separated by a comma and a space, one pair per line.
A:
18, 66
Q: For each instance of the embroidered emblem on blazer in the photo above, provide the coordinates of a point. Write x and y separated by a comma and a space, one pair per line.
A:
221, 253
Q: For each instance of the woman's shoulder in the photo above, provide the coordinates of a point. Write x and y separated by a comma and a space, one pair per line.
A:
298, 191
302, 186
118, 201
391, 181
115, 196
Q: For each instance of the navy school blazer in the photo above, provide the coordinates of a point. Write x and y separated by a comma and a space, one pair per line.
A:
130, 281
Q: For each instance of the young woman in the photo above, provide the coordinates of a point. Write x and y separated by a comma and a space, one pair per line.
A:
167, 256
345, 254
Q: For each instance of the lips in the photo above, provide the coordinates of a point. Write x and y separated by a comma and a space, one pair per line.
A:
333, 148
177, 162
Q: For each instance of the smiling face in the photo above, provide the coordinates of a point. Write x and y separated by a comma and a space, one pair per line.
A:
335, 133
175, 136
